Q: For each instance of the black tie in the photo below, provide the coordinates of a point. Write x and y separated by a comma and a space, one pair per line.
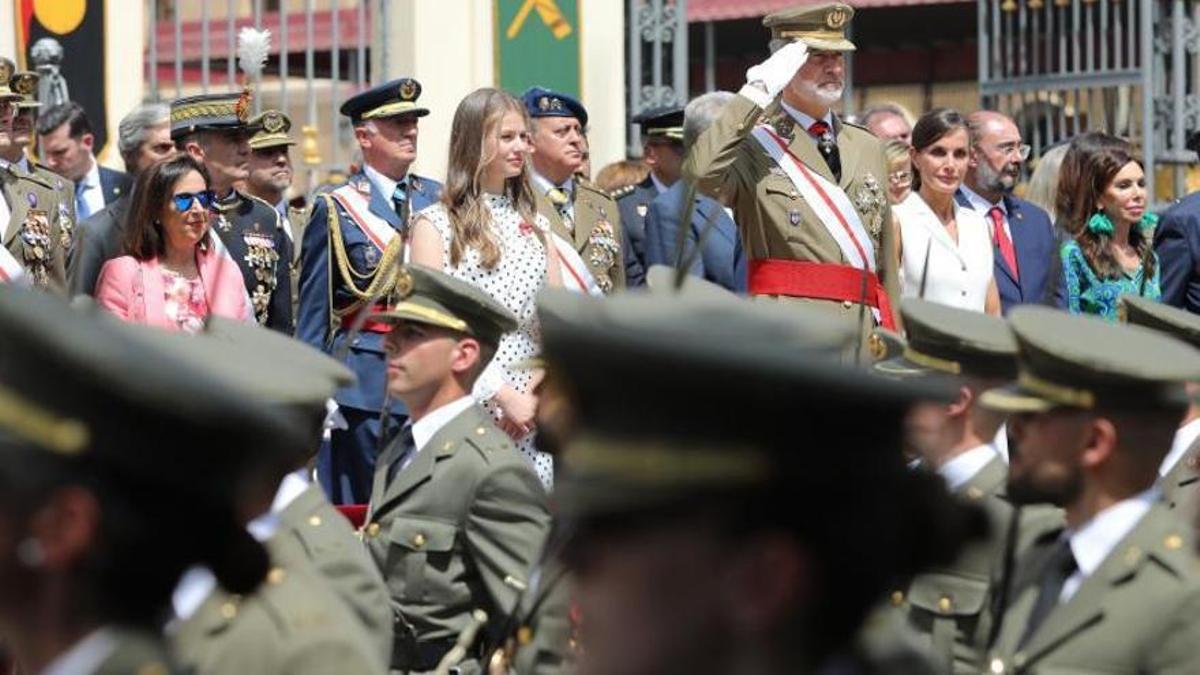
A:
400, 203
1058, 569
405, 446
827, 144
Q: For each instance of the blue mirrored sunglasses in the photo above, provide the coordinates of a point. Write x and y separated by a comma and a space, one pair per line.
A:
183, 200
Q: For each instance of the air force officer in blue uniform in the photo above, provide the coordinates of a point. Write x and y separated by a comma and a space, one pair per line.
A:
352, 241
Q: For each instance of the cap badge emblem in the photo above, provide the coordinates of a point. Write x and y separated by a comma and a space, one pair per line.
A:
836, 18
408, 90
272, 122
543, 103
877, 347
242, 107
404, 284
24, 85
6, 71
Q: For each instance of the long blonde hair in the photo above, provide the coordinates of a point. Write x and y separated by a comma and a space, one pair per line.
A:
476, 121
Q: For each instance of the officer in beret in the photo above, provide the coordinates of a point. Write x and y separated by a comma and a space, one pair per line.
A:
324, 607
971, 352
1093, 412
14, 147
654, 503
1180, 469
457, 515
352, 243
269, 177
120, 467
806, 188
32, 214
662, 151
578, 211
214, 129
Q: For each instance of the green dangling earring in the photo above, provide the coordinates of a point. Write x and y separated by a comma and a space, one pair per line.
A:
1099, 223
1148, 222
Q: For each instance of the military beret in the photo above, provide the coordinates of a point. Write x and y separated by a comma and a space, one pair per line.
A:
429, 296
211, 112
25, 83
821, 27
7, 69
541, 102
661, 122
85, 387
944, 340
1084, 362
390, 99
271, 130
1176, 322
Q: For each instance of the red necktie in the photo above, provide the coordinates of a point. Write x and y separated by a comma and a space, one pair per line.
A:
818, 129
1003, 242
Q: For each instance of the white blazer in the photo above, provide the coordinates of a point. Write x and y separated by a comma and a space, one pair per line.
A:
933, 266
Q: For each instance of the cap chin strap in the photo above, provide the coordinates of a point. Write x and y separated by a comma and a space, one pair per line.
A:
944, 365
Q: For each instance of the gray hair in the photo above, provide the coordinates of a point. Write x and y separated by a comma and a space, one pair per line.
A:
1043, 184
885, 108
131, 132
701, 112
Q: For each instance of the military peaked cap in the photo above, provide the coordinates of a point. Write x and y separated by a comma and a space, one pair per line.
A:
429, 296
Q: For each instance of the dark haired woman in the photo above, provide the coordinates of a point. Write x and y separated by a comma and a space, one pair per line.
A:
1111, 253
945, 248
486, 230
174, 273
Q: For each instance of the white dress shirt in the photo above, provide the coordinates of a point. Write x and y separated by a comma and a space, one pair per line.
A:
1000, 442
1184, 438
85, 656
90, 191
958, 471
1094, 540
983, 206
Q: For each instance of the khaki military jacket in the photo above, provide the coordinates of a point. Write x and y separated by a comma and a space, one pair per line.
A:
1138, 613
456, 530
34, 233
313, 531
1179, 485
543, 643
136, 653
294, 624
597, 232
729, 165
67, 218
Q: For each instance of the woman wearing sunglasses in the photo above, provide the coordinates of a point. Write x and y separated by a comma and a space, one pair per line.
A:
174, 274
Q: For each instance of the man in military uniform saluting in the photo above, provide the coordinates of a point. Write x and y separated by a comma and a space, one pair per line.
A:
662, 151
807, 189
213, 129
1095, 407
353, 240
580, 213
34, 245
457, 515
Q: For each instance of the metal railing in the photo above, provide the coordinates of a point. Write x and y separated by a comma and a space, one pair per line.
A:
658, 58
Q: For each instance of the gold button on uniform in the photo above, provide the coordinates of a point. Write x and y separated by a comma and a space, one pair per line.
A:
229, 610
944, 604
996, 667
847, 304
1173, 542
275, 576
897, 598
418, 540
524, 635
153, 668
373, 530
315, 521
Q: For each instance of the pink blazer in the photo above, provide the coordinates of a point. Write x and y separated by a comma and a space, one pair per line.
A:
133, 290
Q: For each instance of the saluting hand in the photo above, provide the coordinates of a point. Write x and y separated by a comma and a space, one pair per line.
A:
772, 75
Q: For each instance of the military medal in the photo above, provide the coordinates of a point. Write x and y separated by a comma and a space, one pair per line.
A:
869, 200
372, 257
222, 222
262, 257
641, 210
794, 217
32, 199
35, 237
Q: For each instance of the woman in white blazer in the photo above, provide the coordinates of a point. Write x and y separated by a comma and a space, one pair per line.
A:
945, 249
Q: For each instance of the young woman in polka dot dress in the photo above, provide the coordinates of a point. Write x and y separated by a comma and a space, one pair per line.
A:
486, 231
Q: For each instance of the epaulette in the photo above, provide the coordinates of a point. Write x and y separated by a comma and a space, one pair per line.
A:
622, 191
487, 440
60, 182
595, 190
16, 172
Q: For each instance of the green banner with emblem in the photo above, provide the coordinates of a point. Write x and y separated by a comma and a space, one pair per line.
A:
537, 43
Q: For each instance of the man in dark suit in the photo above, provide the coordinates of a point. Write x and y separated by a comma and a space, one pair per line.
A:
144, 137
662, 150
1022, 235
1177, 243
720, 259
66, 141
353, 236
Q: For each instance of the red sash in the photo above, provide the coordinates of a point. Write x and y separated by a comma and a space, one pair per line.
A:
823, 281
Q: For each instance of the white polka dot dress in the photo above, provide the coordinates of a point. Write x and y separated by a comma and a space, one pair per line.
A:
514, 282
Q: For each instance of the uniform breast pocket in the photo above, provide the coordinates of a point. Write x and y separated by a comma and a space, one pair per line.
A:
953, 598
364, 256
778, 186
422, 559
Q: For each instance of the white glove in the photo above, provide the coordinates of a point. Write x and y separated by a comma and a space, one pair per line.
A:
767, 79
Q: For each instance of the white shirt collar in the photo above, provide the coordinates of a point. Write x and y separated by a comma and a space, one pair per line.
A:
660, 186
196, 584
385, 185
1094, 540
24, 164
266, 525
981, 203
92, 178
428, 426
805, 120
958, 471
544, 184
84, 656
1184, 438
1000, 442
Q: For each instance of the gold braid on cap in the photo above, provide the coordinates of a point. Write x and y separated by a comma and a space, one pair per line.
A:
658, 463
1057, 393
944, 365
29, 422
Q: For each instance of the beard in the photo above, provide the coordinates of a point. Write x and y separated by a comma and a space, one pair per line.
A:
992, 180
827, 95
1027, 489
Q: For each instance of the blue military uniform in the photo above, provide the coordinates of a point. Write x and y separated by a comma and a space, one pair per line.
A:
659, 125
351, 242
249, 228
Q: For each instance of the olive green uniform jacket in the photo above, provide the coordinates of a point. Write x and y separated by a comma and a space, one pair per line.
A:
67, 218
543, 643
456, 530
313, 530
729, 165
596, 235
1179, 485
35, 233
294, 624
1138, 613
136, 653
